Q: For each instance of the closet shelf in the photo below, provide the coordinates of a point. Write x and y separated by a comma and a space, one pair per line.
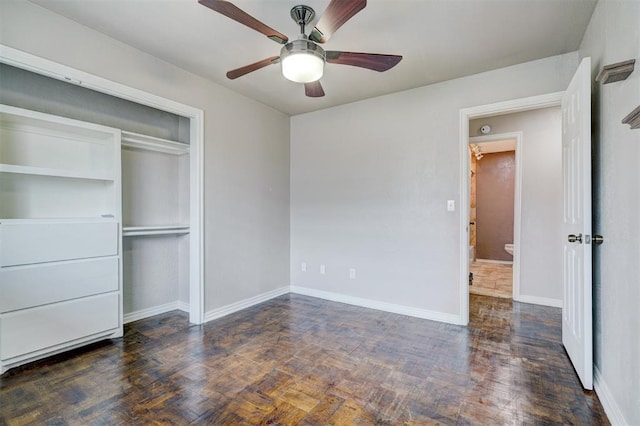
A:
42, 171
133, 231
149, 143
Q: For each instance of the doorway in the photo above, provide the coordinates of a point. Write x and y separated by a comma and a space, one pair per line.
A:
495, 184
466, 115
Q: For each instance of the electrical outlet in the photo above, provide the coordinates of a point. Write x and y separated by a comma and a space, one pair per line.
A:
352, 273
303, 267
323, 269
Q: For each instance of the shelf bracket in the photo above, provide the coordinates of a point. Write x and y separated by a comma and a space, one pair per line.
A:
616, 72
633, 119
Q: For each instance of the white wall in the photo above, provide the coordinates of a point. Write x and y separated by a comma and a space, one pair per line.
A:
613, 35
370, 181
541, 218
246, 149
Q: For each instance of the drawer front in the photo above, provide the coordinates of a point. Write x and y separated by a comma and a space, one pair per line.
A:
46, 326
23, 244
34, 285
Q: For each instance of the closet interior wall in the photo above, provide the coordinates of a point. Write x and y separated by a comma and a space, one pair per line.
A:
155, 183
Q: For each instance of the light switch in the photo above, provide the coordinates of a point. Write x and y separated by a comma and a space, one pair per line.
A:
451, 205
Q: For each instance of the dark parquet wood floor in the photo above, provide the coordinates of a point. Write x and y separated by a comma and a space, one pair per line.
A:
300, 360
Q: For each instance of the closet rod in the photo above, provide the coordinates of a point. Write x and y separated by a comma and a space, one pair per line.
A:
150, 143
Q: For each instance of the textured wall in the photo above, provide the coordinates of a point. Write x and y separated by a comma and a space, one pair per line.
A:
369, 191
613, 35
495, 202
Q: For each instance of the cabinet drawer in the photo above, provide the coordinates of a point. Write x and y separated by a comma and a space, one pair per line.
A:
25, 243
39, 328
33, 285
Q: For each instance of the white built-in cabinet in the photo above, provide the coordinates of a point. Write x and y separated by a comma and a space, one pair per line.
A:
60, 235
94, 232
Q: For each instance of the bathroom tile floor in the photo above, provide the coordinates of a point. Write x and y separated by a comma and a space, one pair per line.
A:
492, 279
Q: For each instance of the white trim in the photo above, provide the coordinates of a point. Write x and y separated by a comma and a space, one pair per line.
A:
20, 59
36, 64
517, 216
515, 105
244, 304
466, 114
374, 304
492, 138
611, 408
196, 218
545, 301
155, 310
498, 262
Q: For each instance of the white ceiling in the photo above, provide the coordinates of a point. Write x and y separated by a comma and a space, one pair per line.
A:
439, 40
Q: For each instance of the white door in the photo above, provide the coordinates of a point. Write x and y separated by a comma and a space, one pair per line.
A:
577, 335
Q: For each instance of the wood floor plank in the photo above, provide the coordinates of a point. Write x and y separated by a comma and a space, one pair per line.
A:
300, 360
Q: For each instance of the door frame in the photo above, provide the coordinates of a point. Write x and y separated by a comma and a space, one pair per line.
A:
38, 65
466, 114
517, 199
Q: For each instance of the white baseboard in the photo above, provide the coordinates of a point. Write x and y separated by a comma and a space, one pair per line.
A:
545, 301
500, 262
381, 306
609, 404
243, 304
155, 310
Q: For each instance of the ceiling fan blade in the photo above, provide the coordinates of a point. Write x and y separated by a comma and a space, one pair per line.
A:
232, 11
372, 61
239, 72
314, 89
337, 13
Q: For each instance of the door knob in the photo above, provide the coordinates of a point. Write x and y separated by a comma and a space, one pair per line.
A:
598, 239
573, 238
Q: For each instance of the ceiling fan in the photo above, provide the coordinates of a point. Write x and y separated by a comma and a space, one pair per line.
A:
303, 59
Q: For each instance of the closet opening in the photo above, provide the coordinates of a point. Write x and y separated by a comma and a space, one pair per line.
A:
161, 169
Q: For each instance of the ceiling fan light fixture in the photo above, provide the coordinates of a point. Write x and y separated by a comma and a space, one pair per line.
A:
302, 61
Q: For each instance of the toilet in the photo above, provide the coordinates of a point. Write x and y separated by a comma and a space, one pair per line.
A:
509, 248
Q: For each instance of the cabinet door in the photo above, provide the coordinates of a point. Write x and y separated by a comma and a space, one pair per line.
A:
26, 243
